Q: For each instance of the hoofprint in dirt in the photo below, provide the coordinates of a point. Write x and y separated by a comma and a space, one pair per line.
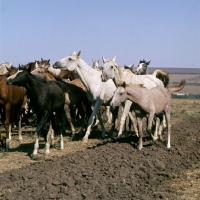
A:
114, 169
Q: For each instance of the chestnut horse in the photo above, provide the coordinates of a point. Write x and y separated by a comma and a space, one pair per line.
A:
12, 98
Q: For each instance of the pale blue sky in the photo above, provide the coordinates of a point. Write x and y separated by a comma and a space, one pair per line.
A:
167, 32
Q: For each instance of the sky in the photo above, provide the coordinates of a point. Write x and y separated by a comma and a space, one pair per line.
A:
167, 32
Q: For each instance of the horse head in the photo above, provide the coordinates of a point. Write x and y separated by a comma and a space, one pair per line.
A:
95, 64
69, 62
43, 63
18, 78
108, 69
142, 67
119, 95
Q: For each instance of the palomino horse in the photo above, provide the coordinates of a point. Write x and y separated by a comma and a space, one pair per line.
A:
98, 92
12, 99
110, 70
48, 98
153, 101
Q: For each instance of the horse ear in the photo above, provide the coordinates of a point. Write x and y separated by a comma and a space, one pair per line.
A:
41, 59
79, 53
114, 59
36, 65
148, 62
104, 60
48, 60
98, 60
126, 67
124, 84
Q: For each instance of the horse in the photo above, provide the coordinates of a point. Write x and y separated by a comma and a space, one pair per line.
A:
71, 89
110, 70
62, 74
98, 92
48, 98
131, 68
154, 101
95, 65
4, 66
12, 99
142, 67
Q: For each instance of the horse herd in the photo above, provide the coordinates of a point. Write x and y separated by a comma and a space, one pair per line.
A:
72, 89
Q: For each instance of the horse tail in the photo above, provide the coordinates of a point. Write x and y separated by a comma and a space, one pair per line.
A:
177, 88
162, 75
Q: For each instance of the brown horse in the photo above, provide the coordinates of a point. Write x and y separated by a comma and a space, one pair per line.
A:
12, 98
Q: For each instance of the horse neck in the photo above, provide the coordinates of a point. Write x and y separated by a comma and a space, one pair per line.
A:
54, 72
89, 76
33, 85
118, 75
49, 77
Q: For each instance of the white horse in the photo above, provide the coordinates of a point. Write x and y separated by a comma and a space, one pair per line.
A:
95, 64
98, 92
110, 70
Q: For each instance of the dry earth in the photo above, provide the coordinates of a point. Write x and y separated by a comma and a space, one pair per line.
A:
110, 168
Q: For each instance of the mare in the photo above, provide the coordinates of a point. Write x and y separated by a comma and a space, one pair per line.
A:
48, 98
98, 92
154, 101
12, 99
70, 89
110, 70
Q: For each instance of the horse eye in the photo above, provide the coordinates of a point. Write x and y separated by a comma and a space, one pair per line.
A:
112, 67
70, 59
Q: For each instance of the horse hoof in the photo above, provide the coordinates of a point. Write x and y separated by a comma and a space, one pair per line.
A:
85, 140
34, 156
154, 138
119, 136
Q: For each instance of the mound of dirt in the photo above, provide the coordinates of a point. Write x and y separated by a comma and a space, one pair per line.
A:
113, 169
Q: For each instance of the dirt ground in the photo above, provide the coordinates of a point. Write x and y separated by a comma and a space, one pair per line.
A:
110, 168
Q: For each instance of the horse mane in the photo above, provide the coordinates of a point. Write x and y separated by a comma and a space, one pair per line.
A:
38, 78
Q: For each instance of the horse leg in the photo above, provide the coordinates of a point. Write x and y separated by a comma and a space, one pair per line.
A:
91, 119
126, 109
134, 121
68, 115
139, 123
114, 112
40, 125
167, 115
7, 124
155, 135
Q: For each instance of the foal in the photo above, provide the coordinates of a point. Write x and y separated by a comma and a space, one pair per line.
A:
145, 101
